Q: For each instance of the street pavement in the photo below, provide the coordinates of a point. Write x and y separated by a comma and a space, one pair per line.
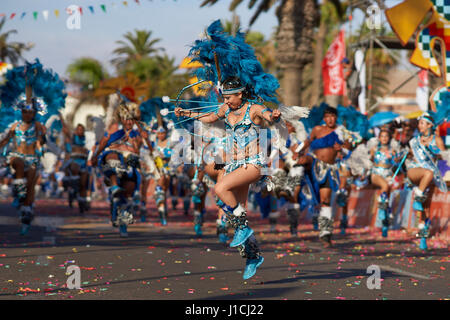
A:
171, 263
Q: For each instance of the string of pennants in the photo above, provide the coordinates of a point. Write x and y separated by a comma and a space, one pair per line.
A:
56, 12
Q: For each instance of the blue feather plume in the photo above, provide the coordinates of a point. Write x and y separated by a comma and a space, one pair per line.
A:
45, 83
149, 109
8, 116
235, 58
354, 121
315, 117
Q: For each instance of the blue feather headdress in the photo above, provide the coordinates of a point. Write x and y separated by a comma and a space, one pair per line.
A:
234, 58
8, 116
349, 117
48, 89
315, 117
354, 121
149, 109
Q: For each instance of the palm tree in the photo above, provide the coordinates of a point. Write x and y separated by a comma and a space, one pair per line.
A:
295, 35
11, 50
87, 73
264, 49
160, 72
140, 45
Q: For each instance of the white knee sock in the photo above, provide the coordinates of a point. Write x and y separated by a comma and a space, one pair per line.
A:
239, 210
325, 212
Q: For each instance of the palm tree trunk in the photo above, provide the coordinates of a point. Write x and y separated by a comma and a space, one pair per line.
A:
297, 20
291, 85
317, 64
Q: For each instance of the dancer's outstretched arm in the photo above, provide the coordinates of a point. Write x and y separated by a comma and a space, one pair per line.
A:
266, 113
103, 143
208, 117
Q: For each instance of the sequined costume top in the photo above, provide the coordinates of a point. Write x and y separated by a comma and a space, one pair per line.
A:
327, 141
383, 163
28, 136
425, 157
162, 152
243, 132
243, 142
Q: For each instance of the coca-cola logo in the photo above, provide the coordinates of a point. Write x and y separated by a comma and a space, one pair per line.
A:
334, 54
333, 59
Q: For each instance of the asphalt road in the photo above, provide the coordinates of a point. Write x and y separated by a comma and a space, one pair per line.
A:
172, 263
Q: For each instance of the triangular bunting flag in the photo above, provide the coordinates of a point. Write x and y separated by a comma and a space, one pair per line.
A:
92, 9
57, 13
45, 14
23, 15
103, 7
35, 14
12, 16
125, 3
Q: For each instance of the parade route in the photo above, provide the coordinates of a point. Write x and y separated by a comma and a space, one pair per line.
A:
171, 262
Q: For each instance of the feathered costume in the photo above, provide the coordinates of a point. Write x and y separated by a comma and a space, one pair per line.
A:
46, 96
224, 56
48, 92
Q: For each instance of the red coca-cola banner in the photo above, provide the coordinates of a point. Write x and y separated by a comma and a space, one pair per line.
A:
332, 69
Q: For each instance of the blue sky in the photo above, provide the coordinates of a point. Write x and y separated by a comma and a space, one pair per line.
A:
177, 22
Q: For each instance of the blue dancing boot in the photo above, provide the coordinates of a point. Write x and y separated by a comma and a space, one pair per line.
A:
16, 203
143, 211
382, 216
423, 244
419, 199
223, 238
186, 205
315, 222
417, 206
123, 230
424, 234
241, 234
114, 207
250, 267
24, 229
384, 231
344, 224
198, 229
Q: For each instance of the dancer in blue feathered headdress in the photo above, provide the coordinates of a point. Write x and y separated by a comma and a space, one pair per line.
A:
35, 92
224, 56
423, 171
159, 119
334, 133
231, 64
